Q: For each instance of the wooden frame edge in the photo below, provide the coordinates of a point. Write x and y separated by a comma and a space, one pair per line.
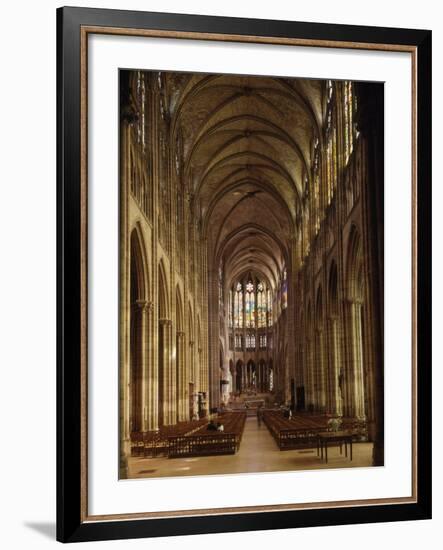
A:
223, 512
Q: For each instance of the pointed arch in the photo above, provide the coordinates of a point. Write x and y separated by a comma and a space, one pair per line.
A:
354, 264
199, 332
191, 326
179, 314
309, 316
180, 357
333, 289
163, 294
137, 293
319, 307
138, 267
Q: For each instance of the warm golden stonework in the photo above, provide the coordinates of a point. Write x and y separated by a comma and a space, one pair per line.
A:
251, 273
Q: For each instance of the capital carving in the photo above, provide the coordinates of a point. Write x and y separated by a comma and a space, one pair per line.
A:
354, 301
165, 322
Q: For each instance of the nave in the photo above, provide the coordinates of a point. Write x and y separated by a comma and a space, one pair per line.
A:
251, 262
258, 453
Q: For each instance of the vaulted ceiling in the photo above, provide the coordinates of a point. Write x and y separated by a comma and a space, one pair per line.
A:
246, 145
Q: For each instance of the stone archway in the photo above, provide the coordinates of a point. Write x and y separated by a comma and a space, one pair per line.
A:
335, 369
138, 331
181, 382
355, 383
320, 374
165, 410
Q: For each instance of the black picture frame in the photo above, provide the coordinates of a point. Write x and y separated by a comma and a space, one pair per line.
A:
71, 525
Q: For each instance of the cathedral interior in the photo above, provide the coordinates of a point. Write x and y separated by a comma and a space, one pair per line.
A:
251, 273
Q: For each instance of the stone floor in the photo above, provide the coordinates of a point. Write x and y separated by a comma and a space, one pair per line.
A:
258, 453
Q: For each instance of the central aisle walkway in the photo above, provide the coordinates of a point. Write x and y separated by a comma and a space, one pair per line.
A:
258, 453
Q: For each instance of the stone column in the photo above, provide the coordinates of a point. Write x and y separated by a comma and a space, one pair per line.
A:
213, 386
201, 377
142, 306
320, 370
124, 378
370, 124
334, 369
194, 373
168, 379
181, 378
151, 370
356, 382
225, 387
310, 385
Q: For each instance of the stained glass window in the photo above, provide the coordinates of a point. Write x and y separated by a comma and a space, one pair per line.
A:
316, 184
261, 306
238, 342
284, 291
238, 306
141, 99
250, 341
250, 305
331, 147
269, 298
220, 287
349, 109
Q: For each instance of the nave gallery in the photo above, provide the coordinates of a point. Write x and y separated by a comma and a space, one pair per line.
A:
251, 273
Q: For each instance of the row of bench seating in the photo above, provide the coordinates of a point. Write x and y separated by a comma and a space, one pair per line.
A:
156, 443
190, 438
208, 443
302, 431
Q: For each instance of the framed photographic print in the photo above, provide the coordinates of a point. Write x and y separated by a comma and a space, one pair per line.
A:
244, 274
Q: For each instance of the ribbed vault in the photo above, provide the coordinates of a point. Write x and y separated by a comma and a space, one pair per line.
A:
245, 145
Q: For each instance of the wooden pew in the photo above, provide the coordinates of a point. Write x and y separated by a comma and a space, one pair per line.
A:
206, 443
302, 431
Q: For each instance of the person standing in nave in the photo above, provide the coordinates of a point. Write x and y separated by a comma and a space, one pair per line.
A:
259, 415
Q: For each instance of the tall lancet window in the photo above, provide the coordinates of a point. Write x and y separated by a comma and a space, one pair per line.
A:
349, 109
220, 287
250, 305
141, 100
231, 305
284, 290
238, 306
261, 306
331, 145
269, 299
316, 185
